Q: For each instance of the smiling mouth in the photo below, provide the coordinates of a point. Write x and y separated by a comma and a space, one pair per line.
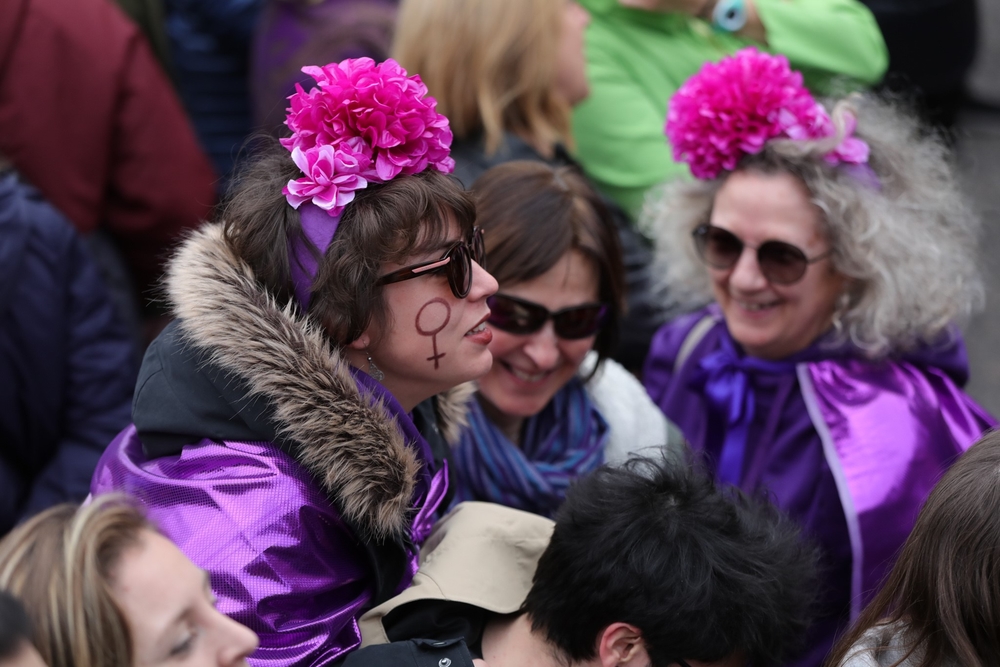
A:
755, 307
527, 377
479, 328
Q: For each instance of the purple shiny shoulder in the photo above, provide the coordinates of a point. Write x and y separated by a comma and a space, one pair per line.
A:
281, 559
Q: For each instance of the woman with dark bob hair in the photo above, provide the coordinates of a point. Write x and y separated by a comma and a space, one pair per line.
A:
838, 251
279, 422
553, 406
939, 605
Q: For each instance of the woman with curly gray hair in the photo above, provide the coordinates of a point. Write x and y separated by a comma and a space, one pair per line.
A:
838, 253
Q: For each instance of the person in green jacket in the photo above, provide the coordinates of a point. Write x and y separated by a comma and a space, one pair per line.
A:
639, 52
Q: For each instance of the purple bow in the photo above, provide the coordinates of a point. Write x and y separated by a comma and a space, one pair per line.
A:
724, 378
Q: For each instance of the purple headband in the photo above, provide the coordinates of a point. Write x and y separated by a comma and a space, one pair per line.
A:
319, 228
734, 107
362, 123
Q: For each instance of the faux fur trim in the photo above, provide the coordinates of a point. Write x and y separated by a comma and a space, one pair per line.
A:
352, 447
453, 411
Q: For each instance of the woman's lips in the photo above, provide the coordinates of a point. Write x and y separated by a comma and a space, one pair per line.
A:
480, 333
523, 376
755, 309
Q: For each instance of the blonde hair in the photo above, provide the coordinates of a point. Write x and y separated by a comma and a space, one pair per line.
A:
907, 247
61, 565
491, 65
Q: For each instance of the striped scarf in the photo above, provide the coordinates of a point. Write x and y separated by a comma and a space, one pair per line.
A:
561, 443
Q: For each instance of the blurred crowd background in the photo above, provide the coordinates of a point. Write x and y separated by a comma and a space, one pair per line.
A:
978, 153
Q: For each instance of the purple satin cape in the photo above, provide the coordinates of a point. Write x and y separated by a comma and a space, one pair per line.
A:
848, 447
281, 559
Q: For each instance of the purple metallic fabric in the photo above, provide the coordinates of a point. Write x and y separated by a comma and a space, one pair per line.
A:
847, 447
281, 559
859, 407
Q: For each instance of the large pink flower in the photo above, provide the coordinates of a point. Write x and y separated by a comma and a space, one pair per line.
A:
378, 105
732, 108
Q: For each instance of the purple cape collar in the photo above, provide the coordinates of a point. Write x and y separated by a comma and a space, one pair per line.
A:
888, 428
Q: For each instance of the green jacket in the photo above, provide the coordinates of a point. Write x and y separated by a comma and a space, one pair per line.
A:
636, 60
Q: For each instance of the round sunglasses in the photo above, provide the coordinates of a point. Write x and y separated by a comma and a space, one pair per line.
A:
456, 264
521, 317
781, 263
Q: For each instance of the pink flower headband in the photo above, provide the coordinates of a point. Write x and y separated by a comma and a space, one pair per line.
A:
732, 108
363, 123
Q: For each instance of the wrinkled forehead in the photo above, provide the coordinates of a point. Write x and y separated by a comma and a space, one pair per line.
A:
760, 207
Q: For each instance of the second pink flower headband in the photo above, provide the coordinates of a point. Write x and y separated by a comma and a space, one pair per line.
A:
734, 107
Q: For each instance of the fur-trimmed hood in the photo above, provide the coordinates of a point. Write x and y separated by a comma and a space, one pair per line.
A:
280, 359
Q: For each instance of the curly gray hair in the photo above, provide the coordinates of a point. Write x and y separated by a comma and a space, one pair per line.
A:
908, 249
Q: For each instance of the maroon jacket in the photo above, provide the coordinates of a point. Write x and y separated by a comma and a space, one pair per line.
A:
88, 116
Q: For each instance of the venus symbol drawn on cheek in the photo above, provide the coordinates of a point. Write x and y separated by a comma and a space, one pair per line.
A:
432, 318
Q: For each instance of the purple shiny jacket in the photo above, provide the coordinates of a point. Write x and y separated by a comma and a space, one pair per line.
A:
848, 447
296, 481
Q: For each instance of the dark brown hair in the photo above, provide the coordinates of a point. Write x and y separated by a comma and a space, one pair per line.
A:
385, 223
944, 589
532, 214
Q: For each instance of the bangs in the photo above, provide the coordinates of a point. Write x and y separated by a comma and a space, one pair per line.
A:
435, 230
421, 221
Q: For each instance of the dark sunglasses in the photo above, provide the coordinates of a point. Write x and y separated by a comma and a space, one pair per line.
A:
456, 264
780, 262
521, 317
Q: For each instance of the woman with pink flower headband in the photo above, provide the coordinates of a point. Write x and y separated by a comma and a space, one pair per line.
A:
838, 252
289, 427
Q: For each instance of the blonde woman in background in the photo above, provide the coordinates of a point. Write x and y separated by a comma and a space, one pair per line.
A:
104, 589
507, 75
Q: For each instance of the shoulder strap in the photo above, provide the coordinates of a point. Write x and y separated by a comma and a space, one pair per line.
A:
695, 336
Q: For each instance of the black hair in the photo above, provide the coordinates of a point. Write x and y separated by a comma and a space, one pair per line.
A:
15, 629
703, 572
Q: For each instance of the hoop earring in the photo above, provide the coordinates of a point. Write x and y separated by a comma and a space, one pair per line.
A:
374, 370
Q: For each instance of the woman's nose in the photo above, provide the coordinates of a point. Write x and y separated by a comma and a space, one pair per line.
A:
543, 348
746, 275
483, 283
237, 641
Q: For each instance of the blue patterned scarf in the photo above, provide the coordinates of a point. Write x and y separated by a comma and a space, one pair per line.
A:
561, 443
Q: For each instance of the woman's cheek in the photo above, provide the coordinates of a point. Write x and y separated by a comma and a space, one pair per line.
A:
503, 343
432, 318
576, 350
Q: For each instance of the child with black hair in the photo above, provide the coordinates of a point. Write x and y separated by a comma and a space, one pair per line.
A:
16, 649
649, 564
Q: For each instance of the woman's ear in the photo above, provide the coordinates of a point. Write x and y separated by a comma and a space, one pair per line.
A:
621, 645
361, 343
